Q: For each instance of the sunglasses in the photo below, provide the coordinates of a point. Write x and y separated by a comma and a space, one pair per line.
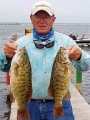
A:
38, 18
41, 46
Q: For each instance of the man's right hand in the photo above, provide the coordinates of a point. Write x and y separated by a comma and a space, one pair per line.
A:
10, 48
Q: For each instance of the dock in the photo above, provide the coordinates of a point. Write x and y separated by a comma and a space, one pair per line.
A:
81, 108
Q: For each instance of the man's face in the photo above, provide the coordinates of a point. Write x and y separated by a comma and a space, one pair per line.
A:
42, 22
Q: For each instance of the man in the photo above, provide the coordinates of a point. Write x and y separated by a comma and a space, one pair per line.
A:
73, 36
42, 46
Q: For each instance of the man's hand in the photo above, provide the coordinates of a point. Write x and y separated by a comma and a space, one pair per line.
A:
10, 48
74, 53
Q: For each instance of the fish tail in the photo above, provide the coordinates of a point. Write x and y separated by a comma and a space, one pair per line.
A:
58, 112
23, 115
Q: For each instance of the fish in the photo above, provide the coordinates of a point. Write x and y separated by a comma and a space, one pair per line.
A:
21, 84
60, 80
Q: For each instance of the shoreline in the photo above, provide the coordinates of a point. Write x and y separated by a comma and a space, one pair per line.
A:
20, 23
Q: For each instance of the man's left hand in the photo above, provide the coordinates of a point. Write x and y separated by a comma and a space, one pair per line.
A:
74, 53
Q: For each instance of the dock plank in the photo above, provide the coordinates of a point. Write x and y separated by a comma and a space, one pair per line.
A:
13, 115
81, 108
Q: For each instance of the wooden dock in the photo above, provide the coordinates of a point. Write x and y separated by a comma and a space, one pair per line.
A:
81, 108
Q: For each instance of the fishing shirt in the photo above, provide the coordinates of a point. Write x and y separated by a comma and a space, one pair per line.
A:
42, 60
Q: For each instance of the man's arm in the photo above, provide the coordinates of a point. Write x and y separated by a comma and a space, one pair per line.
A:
80, 59
6, 56
4, 62
83, 63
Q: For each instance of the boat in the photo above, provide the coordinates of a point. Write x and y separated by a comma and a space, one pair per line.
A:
83, 40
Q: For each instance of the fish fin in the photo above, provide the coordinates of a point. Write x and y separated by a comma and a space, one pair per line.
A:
67, 95
50, 91
71, 69
29, 96
65, 70
12, 99
21, 115
58, 112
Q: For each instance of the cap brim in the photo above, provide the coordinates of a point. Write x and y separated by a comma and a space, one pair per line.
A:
41, 8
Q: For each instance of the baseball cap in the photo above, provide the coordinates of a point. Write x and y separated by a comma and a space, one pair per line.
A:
42, 5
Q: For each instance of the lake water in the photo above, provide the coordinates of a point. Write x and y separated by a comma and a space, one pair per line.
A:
6, 32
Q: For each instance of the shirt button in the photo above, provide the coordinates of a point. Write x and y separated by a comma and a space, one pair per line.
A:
45, 72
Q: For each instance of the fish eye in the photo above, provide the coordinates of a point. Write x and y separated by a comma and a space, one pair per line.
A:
24, 53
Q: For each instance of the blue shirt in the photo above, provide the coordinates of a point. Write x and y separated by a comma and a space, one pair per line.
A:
42, 60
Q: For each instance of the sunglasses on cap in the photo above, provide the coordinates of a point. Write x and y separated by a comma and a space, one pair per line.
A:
41, 46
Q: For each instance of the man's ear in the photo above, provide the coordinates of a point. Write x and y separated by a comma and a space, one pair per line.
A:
31, 18
54, 18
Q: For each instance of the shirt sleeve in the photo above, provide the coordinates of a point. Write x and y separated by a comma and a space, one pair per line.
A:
84, 63
4, 63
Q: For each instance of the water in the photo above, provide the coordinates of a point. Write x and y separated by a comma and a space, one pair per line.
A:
6, 32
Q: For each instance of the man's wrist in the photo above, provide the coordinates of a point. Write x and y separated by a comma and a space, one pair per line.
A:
80, 56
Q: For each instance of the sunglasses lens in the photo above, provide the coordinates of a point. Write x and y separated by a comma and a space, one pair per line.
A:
49, 45
41, 46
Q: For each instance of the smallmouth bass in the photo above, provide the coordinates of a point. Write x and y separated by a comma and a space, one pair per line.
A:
21, 84
60, 80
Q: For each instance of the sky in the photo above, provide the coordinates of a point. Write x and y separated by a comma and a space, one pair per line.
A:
66, 11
